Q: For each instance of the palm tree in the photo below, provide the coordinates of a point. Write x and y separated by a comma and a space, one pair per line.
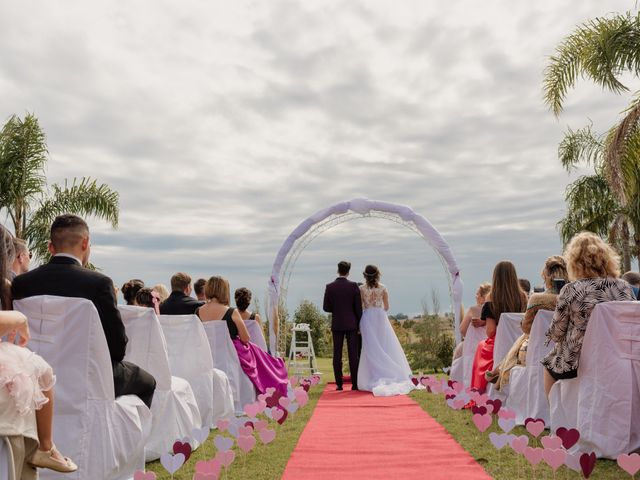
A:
602, 50
24, 196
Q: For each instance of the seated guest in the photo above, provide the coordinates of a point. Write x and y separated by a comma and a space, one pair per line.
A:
472, 317
555, 268
162, 290
65, 276
633, 279
130, 289
26, 381
525, 285
22, 258
243, 300
180, 302
146, 297
594, 268
198, 288
506, 296
264, 370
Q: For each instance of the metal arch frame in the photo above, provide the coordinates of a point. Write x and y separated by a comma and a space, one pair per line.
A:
327, 224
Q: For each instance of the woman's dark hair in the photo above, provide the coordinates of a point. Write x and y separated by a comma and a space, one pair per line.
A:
371, 276
506, 293
130, 289
243, 298
144, 297
7, 256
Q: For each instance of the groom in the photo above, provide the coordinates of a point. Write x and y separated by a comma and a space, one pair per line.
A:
342, 300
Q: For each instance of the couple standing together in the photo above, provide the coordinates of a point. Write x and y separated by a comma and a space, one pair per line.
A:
376, 359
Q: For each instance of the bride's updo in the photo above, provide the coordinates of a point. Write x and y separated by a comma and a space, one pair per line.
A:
371, 276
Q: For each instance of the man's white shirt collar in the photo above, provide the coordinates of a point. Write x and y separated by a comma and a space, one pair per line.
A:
68, 255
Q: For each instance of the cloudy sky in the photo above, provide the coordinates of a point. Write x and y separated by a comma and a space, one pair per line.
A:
225, 124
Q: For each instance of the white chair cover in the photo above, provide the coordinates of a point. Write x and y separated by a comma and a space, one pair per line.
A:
509, 329
103, 435
471, 340
605, 397
225, 358
526, 384
6, 460
190, 358
456, 373
174, 408
256, 334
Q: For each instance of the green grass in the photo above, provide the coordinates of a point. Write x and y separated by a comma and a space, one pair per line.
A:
502, 464
264, 462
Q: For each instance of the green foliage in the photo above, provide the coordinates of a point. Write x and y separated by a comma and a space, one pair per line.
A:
307, 312
433, 347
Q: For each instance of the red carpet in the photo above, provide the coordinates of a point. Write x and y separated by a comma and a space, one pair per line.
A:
355, 435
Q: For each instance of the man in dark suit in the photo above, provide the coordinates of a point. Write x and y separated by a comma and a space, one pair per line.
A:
342, 300
180, 302
65, 276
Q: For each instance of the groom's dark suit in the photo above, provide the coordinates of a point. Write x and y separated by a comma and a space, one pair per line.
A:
342, 300
64, 277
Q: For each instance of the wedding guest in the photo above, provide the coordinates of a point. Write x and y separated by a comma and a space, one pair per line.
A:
243, 300
147, 297
198, 288
180, 302
162, 290
263, 370
130, 289
633, 279
472, 317
594, 268
525, 285
506, 296
555, 268
26, 386
65, 276
22, 259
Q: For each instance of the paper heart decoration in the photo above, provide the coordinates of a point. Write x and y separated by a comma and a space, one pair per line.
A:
425, 381
498, 440
211, 467
262, 397
249, 423
315, 380
200, 434
205, 476
479, 410
436, 388
302, 397
226, 458
293, 380
270, 391
587, 463
268, 413
482, 399
458, 403
140, 475
533, 455
457, 387
569, 436
246, 443
482, 422
551, 442
223, 443
306, 387
184, 448
223, 424
629, 463
252, 409
414, 380
245, 430
293, 408
555, 458
172, 463
496, 404
534, 427
450, 396
446, 370
277, 414
233, 430
284, 416
506, 424
519, 443
260, 425
267, 436
284, 402
273, 400
506, 413
573, 461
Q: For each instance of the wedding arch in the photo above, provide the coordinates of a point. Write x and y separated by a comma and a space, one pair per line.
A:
332, 216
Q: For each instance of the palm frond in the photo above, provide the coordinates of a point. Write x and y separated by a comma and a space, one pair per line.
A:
580, 146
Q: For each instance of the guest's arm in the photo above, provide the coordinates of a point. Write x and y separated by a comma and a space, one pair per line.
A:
326, 304
243, 333
491, 326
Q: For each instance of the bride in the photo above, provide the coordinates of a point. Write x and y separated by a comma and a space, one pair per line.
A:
383, 368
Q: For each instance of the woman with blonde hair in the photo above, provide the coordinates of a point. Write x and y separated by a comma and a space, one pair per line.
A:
506, 296
263, 370
594, 270
472, 317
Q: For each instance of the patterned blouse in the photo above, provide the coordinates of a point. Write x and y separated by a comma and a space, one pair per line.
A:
575, 303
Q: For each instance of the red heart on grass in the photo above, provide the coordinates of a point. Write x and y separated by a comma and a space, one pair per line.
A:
569, 437
496, 404
183, 448
587, 463
481, 410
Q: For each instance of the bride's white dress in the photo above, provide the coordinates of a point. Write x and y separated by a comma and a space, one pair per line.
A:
383, 367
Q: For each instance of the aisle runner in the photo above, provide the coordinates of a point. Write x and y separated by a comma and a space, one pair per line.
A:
355, 435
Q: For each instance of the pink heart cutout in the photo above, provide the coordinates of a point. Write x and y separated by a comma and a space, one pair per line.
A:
284, 401
246, 443
223, 424
245, 431
482, 422
267, 436
211, 467
507, 414
535, 427
555, 458
533, 455
226, 458
183, 448
140, 475
551, 442
277, 414
520, 443
252, 409
260, 425
205, 476
302, 397
629, 463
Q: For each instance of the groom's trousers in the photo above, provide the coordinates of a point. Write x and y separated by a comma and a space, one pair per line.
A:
353, 349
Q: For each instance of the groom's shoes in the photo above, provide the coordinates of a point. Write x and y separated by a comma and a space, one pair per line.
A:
339, 388
355, 388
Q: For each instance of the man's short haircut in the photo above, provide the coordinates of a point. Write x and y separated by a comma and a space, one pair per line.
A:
67, 231
198, 286
525, 285
633, 278
343, 268
180, 281
20, 246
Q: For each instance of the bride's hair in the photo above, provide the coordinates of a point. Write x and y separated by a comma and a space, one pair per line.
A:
371, 275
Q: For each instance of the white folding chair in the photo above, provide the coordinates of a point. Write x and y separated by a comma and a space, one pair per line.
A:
255, 332
6, 460
225, 358
190, 358
509, 329
526, 383
174, 407
471, 340
603, 402
104, 435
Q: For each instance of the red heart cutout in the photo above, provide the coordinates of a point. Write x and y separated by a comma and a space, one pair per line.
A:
183, 448
450, 396
284, 417
481, 410
532, 420
249, 424
305, 386
414, 380
497, 404
273, 400
569, 437
587, 463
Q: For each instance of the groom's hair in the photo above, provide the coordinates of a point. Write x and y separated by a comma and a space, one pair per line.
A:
343, 268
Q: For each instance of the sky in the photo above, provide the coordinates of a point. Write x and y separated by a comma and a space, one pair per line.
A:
223, 125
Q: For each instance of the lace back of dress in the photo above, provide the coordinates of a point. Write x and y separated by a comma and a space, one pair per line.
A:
372, 297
